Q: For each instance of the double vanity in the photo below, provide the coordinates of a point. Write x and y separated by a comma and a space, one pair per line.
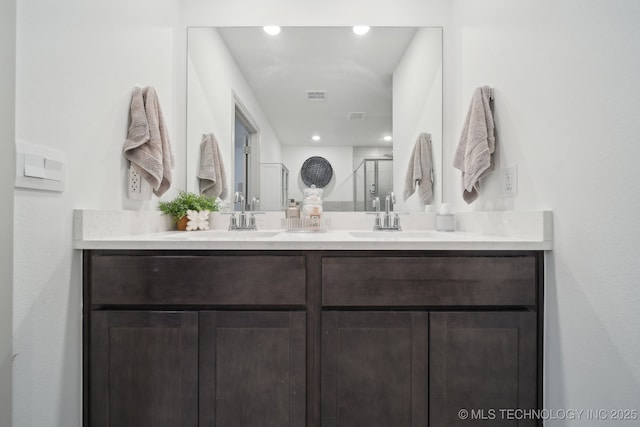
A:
349, 327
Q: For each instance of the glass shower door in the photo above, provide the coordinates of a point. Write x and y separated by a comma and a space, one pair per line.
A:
373, 178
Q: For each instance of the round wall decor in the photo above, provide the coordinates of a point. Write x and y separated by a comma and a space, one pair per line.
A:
316, 171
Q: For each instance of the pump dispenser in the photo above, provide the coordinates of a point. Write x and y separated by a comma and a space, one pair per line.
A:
293, 211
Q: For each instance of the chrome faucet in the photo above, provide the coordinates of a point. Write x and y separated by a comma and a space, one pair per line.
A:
376, 204
241, 223
390, 221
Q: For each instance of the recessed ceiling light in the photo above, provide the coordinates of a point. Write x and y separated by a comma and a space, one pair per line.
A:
316, 138
388, 138
272, 30
361, 30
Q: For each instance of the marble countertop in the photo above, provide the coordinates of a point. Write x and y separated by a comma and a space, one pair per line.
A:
135, 230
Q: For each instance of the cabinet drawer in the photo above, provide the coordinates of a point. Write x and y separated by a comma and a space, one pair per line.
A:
429, 281
198, 280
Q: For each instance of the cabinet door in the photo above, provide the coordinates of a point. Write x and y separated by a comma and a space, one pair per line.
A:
252, 369
374, 369
482, 362
144, 369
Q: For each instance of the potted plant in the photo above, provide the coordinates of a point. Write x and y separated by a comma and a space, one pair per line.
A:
187, 201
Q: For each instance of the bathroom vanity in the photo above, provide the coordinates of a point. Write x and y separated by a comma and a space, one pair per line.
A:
302, 333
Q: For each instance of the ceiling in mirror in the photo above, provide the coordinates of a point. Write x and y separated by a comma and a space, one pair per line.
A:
324, 82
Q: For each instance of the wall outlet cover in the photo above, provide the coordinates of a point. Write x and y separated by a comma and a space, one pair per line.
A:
509, 181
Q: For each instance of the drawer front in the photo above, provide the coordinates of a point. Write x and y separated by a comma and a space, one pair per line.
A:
198, 280
429, 281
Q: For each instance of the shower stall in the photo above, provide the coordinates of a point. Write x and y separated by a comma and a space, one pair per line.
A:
372, 178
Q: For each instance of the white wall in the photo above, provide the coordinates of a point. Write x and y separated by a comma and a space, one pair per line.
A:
339, 189
213, 78
7, 156
567, 108
417, 108
203, 13
77, 63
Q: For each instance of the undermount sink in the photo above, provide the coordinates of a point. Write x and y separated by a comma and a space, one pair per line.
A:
250, 235
224, 235
395, 235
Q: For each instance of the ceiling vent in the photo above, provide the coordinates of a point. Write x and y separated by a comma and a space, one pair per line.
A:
316, 95
356, 115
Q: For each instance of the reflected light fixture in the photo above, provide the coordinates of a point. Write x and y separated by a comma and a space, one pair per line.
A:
360, 30
272, 30
316, 138
388, 138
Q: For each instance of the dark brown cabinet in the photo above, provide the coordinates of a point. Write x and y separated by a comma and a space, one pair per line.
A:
481, 362
374, 369
252, 369
144, 369
419, 368
209, 368
473, 345
183, 340
310, 338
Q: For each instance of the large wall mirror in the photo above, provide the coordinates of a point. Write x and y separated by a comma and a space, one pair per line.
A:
358, 101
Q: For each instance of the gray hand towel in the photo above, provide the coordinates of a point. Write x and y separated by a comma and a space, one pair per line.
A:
420, 171
147, 146
474, 156
211, 175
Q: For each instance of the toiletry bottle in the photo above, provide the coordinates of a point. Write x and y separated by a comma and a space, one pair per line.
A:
292, 211
445, 220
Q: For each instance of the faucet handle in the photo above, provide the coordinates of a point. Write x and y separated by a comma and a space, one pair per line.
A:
377, 223
392, 197
375, 203
233, 222
255, 203
396, 222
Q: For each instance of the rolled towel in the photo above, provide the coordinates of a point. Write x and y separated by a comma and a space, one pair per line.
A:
474, 156
147, 146
211, 174
420, 171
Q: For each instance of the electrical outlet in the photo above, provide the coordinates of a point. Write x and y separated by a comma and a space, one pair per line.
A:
509, 181
135, 184
138, 188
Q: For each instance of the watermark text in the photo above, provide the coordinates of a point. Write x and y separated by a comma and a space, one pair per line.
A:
519, 414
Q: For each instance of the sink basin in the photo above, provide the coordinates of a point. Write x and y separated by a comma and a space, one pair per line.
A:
258, 235
224, 235
396, 235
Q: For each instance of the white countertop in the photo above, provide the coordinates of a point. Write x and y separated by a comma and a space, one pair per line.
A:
135, 230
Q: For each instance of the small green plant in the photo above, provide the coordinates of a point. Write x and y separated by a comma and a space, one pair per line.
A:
185, 201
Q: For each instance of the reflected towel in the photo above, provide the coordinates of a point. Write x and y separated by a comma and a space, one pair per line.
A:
420, 171
147, 146
211, 175
474, 156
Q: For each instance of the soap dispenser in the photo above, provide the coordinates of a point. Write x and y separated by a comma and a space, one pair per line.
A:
293, 211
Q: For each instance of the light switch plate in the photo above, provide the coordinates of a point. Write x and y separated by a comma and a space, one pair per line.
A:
34, 166
39, 167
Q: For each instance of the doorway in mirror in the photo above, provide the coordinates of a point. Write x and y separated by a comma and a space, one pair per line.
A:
245, 179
